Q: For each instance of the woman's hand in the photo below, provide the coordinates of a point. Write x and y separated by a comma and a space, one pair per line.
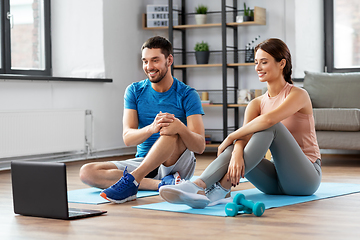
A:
236, 169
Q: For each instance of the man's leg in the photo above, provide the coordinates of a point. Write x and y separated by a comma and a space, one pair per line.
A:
105, 174
166, 150
100, 174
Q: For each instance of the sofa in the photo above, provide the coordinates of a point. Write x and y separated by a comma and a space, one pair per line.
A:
336, 104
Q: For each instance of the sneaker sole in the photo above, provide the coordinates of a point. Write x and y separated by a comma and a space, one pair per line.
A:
221, 201
133, 197
180, 197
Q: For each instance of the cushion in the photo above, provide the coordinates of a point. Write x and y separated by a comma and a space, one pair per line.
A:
337, 119
336, 140
333, 90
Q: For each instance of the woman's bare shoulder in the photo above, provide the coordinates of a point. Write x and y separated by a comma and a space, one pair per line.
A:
298, 90
255, 103
300, 94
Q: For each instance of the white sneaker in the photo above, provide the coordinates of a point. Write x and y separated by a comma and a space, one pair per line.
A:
216, 193
186, 192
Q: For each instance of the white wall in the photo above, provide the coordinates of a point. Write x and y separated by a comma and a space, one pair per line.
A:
90, 38
102, 38
309, 37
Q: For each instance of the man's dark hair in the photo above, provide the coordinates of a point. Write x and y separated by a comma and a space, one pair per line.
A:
159, 42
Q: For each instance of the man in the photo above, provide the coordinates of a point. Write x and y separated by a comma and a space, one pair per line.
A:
163, 117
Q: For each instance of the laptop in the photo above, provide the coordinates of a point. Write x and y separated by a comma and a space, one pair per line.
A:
40, 190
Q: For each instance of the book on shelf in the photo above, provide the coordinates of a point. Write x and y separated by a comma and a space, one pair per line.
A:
207, 139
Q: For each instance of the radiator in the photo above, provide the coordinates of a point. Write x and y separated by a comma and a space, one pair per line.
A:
41, 132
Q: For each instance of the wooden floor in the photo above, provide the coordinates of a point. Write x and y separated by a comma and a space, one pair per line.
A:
333, 218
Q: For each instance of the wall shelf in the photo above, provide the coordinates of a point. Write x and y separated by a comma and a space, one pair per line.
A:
213, 145
198, 65
198, 26
213, 65
229, 105
259, 19
240, 64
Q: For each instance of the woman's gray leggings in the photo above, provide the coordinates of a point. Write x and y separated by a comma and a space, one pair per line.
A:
290, 172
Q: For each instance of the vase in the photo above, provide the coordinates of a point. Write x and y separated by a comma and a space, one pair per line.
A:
202, 57
200, 18
248, 18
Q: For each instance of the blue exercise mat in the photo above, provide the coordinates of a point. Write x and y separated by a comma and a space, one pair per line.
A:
92, 195
326, 190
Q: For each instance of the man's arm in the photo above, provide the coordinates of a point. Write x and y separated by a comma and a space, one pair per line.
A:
192, 135
134, 136
131, 134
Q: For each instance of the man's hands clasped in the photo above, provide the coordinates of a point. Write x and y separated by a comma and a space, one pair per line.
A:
165, 123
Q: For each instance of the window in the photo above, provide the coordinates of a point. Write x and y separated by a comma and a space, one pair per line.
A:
342, 35
25, 37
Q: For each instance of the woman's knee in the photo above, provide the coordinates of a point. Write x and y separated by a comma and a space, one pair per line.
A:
274, 127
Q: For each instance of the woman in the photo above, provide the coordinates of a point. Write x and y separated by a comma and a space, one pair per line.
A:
280, 120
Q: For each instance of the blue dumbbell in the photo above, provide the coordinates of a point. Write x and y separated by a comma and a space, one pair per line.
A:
232, 209
257, 208
242, 204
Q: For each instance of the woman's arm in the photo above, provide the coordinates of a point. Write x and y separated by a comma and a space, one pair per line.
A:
252, 111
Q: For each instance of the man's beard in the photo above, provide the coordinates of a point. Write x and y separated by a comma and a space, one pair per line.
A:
157, 80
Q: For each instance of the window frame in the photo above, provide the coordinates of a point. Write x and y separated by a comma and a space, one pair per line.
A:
329, 40
5, 67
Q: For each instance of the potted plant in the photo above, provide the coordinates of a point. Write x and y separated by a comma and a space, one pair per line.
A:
202, 52
200, 16
248, 14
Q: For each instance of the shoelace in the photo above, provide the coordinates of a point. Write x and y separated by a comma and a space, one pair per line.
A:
210, 189
122, 183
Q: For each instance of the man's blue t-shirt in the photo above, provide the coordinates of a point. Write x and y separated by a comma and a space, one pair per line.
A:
180, 100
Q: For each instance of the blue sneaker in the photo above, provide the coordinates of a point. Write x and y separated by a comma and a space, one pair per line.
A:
171, 179
124, 190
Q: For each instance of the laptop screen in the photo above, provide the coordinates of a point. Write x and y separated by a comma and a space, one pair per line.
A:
39, 189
